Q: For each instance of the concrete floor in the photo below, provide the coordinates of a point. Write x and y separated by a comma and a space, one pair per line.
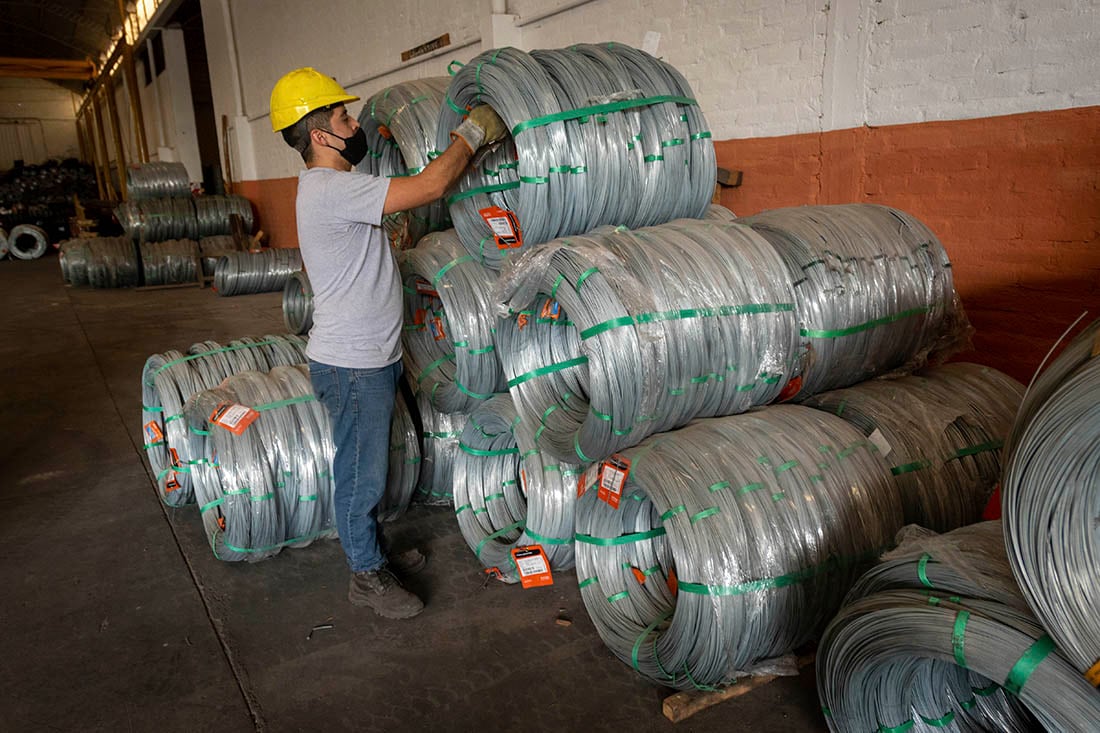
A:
116, 615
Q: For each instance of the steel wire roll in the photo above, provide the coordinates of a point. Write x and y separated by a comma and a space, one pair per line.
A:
941, 431
938, 637
439, 445
661, 325
719, 213
733, 542
298, 303
172, 262
1051, 500
874, 287
158, 220
112, 263
157, 180
27, 242
245, 273
449, 324
212, 214
404, 464
601, 134
4, 248
72, 257
212, 249
400, 123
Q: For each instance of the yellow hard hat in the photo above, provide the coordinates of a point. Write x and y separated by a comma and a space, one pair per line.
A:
302, 91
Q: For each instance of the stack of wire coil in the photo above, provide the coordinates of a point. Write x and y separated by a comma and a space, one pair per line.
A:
938, 637
212, 214
169, 379
600, 134
213, 248
157, 220
439, 447
730, 542
449, 324
244, 273
268, 485
298, 303
27, 242
157, 180
1051, 500
172, 262
941, 432
112, 263
400, 123
508, 494
874, 287
622, 334
404, 465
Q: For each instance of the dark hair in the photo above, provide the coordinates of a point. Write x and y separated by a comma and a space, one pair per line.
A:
297, 135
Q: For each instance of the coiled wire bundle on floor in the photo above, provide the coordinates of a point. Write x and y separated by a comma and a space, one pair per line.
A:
3, 243
270, 486
213, 248
112, 263
172, 262
874, 287
733, 542
439, 446
600, 134
157, 180
1051, 500
400, 123
27, 242
169, 379
72, 257
938, 637
404, 466
645, 331
507, 494
449, 324
941, 431
212, 214
298, 303
158, 220
245, 273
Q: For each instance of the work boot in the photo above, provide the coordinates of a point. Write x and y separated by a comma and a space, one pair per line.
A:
409, 562
383, 593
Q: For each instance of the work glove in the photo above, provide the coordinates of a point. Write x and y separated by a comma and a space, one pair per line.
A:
483, 126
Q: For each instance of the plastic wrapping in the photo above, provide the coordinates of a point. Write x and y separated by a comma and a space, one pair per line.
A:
1051, 500
874, 287
508, 494
405, 464
400, 123
733, 542
298, 303
941, 432
938, 637
600, 134
212, 249
172, 262
212, 214
157, 180
651, 329
157, 220
439, 445
449, 327
245, 273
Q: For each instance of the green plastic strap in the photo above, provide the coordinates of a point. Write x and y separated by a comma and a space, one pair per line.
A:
985, 691
781, 581
211, 504
462, 388
451, 103
645, 634
922, 570
491, 497
549, 369
598, 109
940, 722
433, 366
897, 728
147, 446
585, 275
447, 267
863, 326
704, 514
910, 467
958, 638
450, 67
674, 315
477, 452
672, 143
587, 582
673, 512
618, 596
623, 539
982, 448
153, 408
701, 135
494, 188
284, 543
222, 350
285, 403
548, 540
498, 533
1025, 665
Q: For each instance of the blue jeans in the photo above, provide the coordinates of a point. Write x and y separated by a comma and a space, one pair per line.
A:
360, 406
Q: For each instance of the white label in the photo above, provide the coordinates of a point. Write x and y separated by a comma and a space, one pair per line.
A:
880, 442
233, 415
612, 479
532, 565
501, 226
589, 476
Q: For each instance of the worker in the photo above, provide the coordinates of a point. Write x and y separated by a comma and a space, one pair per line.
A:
354, 346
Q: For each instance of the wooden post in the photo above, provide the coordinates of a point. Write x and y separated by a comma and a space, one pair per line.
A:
133, 91
112, 110
93, 158
104, 157
683, 705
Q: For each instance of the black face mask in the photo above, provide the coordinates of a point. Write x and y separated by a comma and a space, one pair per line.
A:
355, 147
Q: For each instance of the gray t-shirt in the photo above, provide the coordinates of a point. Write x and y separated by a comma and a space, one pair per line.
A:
357, 302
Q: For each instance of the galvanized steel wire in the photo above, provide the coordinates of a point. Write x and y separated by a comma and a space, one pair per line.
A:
27, 242
298, 303
212, 249
157, 220
449, 327
404, 463
157, 180
244, 273
1051, 500
600, 134
212, 214
172, 262
734, 542
937, 636
439, 446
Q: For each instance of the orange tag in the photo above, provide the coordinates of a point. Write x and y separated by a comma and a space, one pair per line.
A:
425, 288
673, 585
419, 317
533, 567
522, 320
385, 132
793, 387
551, 310
1096, 352
588, 478
437, 329
171, 485
613, 475
233, 417
1093, 674
638, 575
175, 458
153, 434
523, 480
505, 227
221, 523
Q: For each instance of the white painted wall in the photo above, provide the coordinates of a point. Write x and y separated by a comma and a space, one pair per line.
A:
37, 122
758, 67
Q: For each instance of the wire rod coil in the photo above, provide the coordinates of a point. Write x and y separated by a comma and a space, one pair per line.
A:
298, 303
112, 263
1051, 500
938, 637
733, 542
941, 431
157, 180
644, 331
449, 324
213, 248
157, 220
404, 463
245, 273
874, 287
439, 445
172, 262
4, 247
600, 134
27, 242
212, 214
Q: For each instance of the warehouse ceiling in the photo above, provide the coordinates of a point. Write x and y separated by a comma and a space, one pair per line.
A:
57, 29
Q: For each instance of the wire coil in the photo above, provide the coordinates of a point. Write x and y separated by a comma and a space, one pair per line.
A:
245, 273
213, 248
172, 262
213, 214
298, 303
27, 242
439, 446
158, 220
600, 134
157, 180
404, 466
4, 248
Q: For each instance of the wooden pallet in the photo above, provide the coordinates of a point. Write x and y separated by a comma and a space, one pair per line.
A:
683, 705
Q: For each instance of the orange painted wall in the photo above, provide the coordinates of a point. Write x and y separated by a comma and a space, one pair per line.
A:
1014, 199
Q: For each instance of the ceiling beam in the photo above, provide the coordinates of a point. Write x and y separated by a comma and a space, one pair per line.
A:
46, 68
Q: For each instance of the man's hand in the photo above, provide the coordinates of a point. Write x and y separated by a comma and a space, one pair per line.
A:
483, 126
